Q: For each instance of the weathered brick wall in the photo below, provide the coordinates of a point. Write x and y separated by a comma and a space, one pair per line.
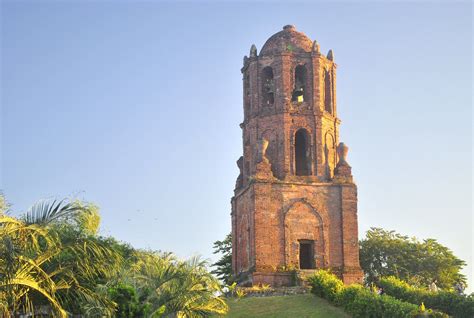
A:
273, 279
243, 252
284, 213
288, 212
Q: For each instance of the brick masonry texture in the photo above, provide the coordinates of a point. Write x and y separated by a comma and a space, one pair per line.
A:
295, 185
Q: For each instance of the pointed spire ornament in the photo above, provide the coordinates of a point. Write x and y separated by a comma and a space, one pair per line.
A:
253, 51
331, 55
316, 47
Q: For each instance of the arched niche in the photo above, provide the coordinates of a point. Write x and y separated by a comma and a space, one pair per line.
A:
304, 225
330, 153
328, 92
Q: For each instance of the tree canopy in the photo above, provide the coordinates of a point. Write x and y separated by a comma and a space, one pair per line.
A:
53, 260
388, 253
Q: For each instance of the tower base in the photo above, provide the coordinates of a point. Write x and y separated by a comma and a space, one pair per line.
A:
294, 278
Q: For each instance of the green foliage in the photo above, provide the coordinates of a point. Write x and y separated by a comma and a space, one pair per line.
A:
362, 302
255, 290
175, 288
240, 293
24, 249
387, 253
52, 256
325, 285
126, 298
90, 261
39, 267
223, 267
265, 287
231, 289
445, 301
88, 221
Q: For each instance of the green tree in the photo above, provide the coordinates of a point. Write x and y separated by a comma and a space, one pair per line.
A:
38, 266
387, 253
223, 267
126, 298
53, 256
175, 288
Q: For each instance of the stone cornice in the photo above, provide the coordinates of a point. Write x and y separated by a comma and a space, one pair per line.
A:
334, 183
305, 112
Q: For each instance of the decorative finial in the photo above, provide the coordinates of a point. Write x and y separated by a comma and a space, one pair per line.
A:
240, 179
316, 47
240, 163
262, 150
330, 55
342, 151
343, 171
253, 51
263, 170
289, 27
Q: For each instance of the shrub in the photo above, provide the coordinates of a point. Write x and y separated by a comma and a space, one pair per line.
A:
259, 289
325, 285
348, 295
448, 302
362, 302
240, 293
265, 287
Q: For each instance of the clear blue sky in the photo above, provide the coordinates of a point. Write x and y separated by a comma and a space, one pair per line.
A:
136, 107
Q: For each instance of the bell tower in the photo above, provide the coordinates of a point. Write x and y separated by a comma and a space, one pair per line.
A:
295, 203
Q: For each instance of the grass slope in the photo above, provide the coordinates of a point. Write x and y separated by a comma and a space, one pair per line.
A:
297, 306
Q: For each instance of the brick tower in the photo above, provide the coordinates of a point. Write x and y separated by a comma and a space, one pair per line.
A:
295, 203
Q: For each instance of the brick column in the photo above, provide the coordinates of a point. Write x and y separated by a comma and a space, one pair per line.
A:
351, 271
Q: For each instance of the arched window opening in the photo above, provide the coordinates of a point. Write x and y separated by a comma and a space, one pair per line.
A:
302, 161
299, 91
327, 92
268, 86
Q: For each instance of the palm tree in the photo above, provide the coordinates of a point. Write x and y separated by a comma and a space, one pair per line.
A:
25, 248
38, 266
52, 257
176, 288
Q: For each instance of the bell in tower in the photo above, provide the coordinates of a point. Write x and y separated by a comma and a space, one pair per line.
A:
300, 82
295, 202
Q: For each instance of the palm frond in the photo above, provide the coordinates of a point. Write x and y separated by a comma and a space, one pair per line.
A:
47, 211
32, 284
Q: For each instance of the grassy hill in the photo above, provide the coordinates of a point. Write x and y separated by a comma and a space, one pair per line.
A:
301, 306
